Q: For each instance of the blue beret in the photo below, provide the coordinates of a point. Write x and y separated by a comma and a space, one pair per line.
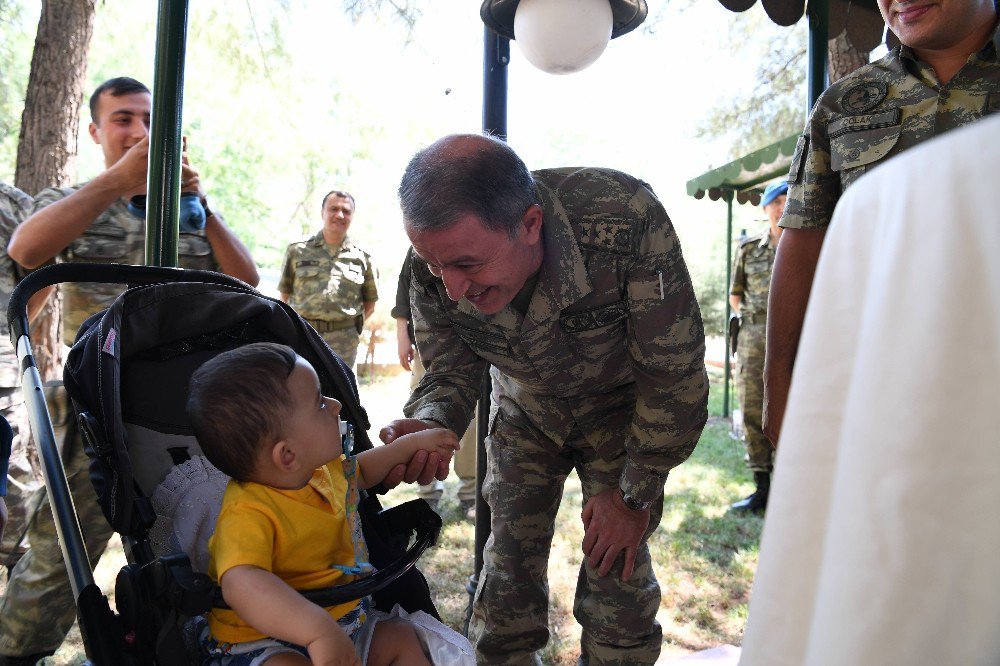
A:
773, 191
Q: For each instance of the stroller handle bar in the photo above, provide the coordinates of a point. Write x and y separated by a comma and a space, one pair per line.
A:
17, 309
67, 525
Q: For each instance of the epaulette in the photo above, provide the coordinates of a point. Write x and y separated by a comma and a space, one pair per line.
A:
756, 238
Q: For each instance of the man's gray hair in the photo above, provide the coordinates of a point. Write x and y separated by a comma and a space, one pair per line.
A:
482, 176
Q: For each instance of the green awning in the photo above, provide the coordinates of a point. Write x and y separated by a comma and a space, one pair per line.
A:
743, 175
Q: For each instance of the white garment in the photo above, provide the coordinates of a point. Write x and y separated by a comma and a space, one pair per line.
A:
882, 541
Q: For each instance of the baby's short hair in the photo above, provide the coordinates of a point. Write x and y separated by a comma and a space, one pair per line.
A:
238, 402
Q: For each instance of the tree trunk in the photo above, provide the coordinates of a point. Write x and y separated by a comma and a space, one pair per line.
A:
844, 58
46, 151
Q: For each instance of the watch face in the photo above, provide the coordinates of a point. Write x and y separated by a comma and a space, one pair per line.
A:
632, 502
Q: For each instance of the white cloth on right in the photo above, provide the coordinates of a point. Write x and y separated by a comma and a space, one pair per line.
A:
882, 538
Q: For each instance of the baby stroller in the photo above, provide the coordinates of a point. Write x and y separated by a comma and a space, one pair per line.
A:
127, 377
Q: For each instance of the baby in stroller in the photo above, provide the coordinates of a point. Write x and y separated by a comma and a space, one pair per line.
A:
289, 516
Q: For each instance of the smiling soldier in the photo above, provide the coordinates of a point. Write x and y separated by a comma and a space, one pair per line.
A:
571, 284
330, 281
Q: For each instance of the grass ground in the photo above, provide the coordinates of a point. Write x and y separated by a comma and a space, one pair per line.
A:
705, 558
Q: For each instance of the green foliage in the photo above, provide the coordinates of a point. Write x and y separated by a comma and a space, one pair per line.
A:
15, 61
773, 104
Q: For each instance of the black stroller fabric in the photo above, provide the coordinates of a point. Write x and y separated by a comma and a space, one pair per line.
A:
127, 375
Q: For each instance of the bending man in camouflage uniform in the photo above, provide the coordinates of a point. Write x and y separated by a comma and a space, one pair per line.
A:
330, 281
748, 298
24, 474
946, 74
91, 223
571, 284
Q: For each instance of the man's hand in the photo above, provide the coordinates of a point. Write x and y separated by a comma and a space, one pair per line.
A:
190, 181
403, 344
129, 173
775, 400
610, 528
424, 467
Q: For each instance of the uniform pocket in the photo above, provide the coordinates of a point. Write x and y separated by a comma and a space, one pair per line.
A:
101, 242
861, 141
194, 251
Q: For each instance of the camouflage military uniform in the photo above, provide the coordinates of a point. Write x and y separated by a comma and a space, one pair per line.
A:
876, 112
24, 475
604, 373
328, 286
39, 609
751, 279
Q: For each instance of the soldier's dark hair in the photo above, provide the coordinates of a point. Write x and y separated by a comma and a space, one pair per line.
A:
238, 403
342, 195
466, 175
122, 85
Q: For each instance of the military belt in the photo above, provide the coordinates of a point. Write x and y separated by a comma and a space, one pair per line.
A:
322, 326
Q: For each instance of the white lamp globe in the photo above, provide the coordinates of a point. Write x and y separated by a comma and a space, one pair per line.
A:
562, 36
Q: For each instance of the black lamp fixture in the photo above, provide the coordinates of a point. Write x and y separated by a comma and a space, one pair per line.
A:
562, 36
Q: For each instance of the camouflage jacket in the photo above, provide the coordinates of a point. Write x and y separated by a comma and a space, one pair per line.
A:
752, 276
327, 282
15, 206
115, 237
876, 112
612, 341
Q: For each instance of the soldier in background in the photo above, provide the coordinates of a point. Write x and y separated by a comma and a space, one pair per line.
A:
24, 477
748, 298
330, 281
92, 222
946, 74
571, 284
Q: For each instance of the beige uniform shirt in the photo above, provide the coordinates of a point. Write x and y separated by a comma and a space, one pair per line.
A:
328, 283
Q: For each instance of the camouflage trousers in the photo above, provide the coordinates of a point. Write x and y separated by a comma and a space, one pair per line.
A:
345, 344
523, 486
38, 608
750, 369
464, 461
24, 476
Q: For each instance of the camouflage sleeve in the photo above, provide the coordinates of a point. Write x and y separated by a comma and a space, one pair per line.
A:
738, 286
448, 391
667, 349
369, 290
287, 280
813, 186
402, 307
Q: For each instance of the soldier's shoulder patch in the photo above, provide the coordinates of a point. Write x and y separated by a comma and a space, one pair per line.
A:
748, 240
864, 96
610, 234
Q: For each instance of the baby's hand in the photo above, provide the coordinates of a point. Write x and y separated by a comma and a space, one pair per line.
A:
434, 440
333, 648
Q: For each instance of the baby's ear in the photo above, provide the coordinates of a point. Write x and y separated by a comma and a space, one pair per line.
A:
283, 457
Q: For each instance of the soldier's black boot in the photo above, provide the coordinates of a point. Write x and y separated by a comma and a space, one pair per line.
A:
28, 660
756, 501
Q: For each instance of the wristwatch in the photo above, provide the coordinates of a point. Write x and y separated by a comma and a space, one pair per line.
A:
633, 502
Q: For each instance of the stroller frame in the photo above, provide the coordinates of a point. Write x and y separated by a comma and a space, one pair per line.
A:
133, 635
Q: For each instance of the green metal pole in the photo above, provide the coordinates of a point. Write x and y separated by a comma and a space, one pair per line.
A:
164, 179
725, 291
819, 35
